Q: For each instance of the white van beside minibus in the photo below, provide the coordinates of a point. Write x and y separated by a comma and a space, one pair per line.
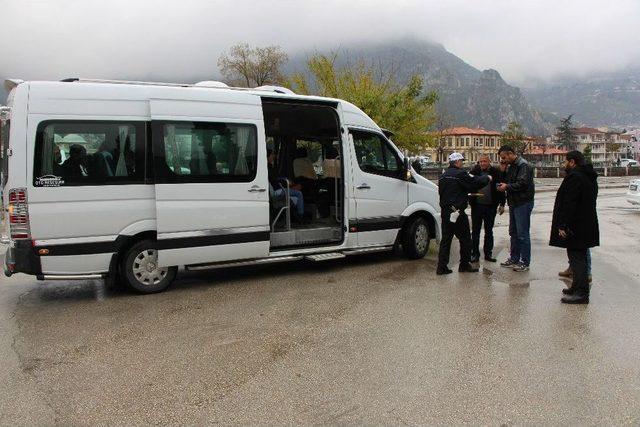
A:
128, 181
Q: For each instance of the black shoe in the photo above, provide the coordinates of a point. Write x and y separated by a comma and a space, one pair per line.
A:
568, 291
576, 298
443, 270
467, 268
474, 259
490, 258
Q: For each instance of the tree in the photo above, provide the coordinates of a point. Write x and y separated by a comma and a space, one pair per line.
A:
514, 137
566, 134
401, 108
613, 148
250, 67
587, 153
442, 123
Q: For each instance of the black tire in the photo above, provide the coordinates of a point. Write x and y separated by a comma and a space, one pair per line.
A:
140, 271
416, 238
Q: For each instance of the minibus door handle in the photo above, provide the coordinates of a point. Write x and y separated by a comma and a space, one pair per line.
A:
363, 186
256, 189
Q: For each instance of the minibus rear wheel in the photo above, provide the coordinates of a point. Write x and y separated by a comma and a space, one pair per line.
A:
140, 268
416, 239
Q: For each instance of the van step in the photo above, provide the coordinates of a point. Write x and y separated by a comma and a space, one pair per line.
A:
368, 250
227, 264
325, 257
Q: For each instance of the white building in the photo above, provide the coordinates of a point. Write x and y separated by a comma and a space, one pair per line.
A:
606, 145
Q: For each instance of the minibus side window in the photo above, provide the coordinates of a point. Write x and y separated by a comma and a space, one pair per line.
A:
375, 156
204, 152
72, 153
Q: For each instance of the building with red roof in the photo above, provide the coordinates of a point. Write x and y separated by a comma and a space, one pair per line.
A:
471, 142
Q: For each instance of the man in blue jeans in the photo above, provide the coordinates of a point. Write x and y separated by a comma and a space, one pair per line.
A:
520, 190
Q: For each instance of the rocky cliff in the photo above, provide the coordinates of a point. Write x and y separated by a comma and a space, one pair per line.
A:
467, 96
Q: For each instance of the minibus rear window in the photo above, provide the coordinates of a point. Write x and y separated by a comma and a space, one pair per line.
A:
72, 153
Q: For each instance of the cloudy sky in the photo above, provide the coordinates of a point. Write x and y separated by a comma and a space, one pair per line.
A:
182, 39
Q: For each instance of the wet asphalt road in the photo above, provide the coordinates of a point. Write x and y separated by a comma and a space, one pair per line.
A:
367, 340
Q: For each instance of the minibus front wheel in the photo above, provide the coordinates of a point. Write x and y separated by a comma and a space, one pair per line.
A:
141, 270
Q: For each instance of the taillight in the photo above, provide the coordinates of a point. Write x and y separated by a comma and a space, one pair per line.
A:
18, 214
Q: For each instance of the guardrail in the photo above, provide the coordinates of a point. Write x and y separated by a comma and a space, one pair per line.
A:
551, 172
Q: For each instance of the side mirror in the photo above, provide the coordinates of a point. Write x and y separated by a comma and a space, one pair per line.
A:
407, 169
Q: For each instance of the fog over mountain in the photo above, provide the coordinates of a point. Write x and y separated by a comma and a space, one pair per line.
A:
611, 99
181, 41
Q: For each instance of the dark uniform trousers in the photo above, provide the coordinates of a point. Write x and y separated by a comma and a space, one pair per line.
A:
461, 230
483, 214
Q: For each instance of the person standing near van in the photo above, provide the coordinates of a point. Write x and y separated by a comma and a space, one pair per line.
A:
575, 223
520, 190
484, 208
454, 187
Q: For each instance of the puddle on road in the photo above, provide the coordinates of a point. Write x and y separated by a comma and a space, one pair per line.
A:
520, 285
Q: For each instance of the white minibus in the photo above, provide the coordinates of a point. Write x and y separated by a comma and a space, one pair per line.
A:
128, 181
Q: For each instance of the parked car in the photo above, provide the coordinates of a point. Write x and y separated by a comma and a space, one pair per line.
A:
628, 162
633, 195
170, 175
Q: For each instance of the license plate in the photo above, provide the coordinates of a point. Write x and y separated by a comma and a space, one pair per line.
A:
633, 187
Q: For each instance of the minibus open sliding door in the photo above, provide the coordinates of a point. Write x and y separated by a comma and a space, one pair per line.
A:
212, 204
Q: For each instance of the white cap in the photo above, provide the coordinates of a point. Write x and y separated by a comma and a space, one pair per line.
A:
455, 157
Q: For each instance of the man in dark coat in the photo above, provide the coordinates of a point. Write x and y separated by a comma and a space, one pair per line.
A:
454, 187
575, 223
484, 207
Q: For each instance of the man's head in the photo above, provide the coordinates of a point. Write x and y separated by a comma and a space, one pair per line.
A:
484, 162
574, 159
77, 154
456, 160
507, 154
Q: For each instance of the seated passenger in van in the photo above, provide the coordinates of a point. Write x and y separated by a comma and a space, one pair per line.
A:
103, 163
203, 160
305, 174
302, 166
279, 191
331, 165
331, 172
74, 168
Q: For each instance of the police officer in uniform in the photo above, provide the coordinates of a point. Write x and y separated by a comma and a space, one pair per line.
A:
454, 187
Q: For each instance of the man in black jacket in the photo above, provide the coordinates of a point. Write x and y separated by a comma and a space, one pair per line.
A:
520, 189
454, 186
575, 223
484, 207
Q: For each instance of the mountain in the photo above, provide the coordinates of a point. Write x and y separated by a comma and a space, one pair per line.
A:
467, 96
611, 99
